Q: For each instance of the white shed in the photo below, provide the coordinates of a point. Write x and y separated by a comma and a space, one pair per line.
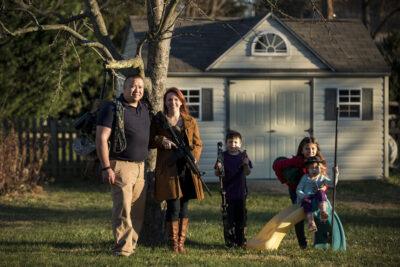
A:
278, 80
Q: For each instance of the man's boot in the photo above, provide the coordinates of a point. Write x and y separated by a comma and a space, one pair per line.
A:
173, 230
183, 227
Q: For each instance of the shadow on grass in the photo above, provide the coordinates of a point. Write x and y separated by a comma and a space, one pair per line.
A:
12, 246
76, 185
204, 246
369, 191
377, 221
12, 213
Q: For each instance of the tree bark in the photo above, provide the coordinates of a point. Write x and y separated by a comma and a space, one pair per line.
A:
161, 21
366, 18
328, 9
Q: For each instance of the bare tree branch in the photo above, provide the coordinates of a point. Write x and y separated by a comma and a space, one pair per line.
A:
81, 15
170, 15
100, 28
136, 63
384, 21
140, 45
57, 27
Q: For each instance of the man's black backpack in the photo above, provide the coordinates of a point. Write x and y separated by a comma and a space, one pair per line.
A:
84, 144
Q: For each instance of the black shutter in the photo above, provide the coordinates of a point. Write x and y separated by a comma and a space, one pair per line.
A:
330, 104
367, 104
207, 104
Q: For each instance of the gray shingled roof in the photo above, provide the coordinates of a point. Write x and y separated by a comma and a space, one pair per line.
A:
344, 44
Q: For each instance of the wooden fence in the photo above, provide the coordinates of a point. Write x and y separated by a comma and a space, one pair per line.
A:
51, 140
56, 137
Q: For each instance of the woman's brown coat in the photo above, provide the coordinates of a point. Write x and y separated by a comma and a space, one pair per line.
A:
167, 184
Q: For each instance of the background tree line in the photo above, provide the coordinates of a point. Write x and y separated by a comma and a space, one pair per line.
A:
62, 79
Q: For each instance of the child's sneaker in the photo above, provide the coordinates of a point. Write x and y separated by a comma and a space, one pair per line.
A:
323, 216
312, 227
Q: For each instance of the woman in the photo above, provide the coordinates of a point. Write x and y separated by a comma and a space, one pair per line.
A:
174, 182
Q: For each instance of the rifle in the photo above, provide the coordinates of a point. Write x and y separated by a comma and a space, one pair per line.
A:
182, 151
229, 232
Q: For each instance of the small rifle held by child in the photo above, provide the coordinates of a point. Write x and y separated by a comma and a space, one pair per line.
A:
228, 231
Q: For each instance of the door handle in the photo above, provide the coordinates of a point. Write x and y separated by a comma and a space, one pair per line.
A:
271, 131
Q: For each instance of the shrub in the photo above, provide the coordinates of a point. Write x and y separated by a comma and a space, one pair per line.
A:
20, 162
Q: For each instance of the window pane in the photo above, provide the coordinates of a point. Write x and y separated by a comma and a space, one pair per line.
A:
194, 110
184, 92
260, 47
278, 40
194, 100
263, 40
194, 92
354, 108
349, 111
270, 43
343, 92
281, 48
270, 37
355, 92
343, 99
354, 114
354, 99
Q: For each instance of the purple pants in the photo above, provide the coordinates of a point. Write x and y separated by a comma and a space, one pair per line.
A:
306, 203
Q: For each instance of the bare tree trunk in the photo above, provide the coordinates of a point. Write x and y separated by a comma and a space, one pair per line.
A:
157, 69
328, 9
161, 20
366, 18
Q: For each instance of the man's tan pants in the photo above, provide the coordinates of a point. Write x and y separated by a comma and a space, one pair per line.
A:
129, 200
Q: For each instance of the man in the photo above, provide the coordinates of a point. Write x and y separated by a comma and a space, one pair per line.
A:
126, 123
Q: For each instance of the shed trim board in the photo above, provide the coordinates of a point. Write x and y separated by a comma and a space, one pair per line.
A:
235, 75
386, 126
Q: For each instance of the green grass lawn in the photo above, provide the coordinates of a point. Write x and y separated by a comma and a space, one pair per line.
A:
69, 225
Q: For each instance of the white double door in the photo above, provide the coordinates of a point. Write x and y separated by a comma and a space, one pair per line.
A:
272, 116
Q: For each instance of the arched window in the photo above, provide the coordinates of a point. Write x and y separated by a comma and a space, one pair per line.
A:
269, 44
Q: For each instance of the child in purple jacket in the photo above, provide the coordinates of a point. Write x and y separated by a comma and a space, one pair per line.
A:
236, 166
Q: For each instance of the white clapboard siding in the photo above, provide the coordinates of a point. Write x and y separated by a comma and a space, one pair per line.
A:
130, 45
299, 56
211, 132
360, 143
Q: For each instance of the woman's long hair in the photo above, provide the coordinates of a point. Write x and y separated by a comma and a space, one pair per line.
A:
184, 108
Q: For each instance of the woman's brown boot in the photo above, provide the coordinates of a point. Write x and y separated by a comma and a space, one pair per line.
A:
183, 227
173, 230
